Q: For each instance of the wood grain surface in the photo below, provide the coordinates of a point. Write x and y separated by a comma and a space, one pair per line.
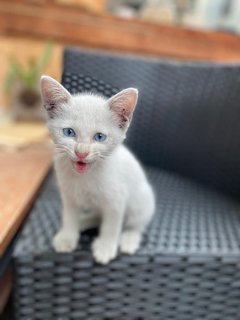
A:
21, 175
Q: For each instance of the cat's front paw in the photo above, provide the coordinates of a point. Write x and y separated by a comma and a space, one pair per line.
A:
103, 251
64, 241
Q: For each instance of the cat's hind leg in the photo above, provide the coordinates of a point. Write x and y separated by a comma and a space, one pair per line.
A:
138, 215
130, 241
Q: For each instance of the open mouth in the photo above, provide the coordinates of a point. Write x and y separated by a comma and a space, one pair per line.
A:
81, 166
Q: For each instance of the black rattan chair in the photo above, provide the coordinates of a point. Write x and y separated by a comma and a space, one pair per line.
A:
186, 131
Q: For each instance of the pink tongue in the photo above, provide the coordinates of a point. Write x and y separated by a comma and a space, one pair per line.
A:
81, 166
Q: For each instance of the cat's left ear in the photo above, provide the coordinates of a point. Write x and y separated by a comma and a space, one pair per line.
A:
123, 105
53, 95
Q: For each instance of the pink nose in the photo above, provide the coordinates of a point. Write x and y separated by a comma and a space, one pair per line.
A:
81, 155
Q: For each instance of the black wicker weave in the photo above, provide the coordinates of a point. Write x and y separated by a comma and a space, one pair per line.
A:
186, 132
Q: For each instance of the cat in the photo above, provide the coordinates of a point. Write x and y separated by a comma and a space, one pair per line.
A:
95, 171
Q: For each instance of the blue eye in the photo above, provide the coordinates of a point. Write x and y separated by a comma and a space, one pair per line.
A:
100, 137
69, 132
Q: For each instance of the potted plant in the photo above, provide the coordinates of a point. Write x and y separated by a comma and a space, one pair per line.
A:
22, 85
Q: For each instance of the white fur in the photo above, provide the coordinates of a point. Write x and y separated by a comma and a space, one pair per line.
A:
114, 189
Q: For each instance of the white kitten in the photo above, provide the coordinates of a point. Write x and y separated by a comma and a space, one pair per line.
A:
95, 171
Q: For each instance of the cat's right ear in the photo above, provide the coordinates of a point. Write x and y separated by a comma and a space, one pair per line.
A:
123, 105
53, 95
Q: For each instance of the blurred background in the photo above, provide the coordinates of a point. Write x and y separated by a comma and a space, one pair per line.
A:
33, 35
180, 29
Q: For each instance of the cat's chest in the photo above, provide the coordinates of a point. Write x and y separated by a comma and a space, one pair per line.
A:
87, 192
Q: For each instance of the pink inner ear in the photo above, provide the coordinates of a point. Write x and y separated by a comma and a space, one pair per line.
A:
123, 104
53, 92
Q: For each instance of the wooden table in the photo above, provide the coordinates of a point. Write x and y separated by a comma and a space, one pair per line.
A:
21, 175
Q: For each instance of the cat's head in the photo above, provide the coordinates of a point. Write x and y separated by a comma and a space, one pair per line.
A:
86, 127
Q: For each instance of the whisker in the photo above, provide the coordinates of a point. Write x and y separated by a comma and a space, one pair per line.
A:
63, 148
92, 155
106, 153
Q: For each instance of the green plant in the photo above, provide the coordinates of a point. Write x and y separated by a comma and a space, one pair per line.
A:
29, 75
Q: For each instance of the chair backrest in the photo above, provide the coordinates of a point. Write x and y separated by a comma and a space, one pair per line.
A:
188, 115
